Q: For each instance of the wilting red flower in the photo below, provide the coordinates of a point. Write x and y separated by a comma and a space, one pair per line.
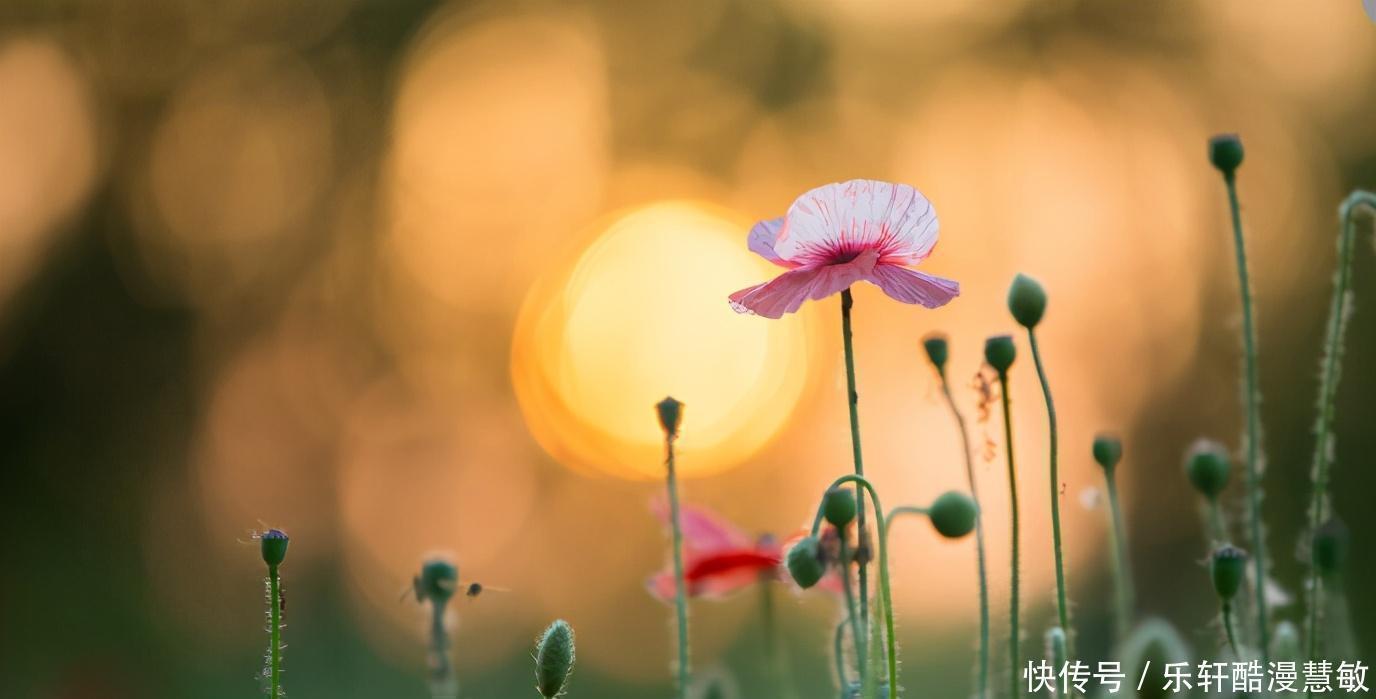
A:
718, 558
839, 234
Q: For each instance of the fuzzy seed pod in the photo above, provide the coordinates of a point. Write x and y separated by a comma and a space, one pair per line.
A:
838, 506
938, 351
953, 514
1228, 568
1026, 301
1225, 152
437, 582
670, 415
1207, 466
804, 563
1330, 547
1108, 450
554, 657
274, 546
999, 352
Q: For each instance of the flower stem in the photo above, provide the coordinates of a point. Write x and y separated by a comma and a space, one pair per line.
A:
885, 595
1339, 311
1062, 606
1122, 567
1228, 628
839, 651
773, 653
274, 632
1015, 662
982, 686
860, 642
443, 684
1252, 400
1217, 522
853, 399
680, 585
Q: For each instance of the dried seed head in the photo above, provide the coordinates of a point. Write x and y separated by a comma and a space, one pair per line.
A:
938, 351
804, 562
953, 514
1228, 568
1225, 152
1207, 466
670, 415
838, 505
1330, 547
999, 352
1108, 450
437, 582
1026, 301
554, 657
274, 546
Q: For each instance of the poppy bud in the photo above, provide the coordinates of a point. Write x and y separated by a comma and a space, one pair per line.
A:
953, 514
1108, 450
838, 505
1228, 568
1207, 466
437, 581
1330, 547
804, 564
554, 656
937, 350
274, 546
670, 415
999, 352
1225, 152
1026, 301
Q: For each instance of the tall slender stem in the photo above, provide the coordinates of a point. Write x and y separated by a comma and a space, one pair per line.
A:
1015, 662
1217, 522
853, 399
680, 586
1062, 605
1339, 310
1122, 567
443, 683
1252, 400
860, 642
1228, 628
839, 651
275, 631
982, 683
772, 647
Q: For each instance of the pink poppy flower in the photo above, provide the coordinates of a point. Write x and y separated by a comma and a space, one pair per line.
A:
839, 234
718, 558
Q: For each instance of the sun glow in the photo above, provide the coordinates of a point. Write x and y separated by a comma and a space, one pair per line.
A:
640, 314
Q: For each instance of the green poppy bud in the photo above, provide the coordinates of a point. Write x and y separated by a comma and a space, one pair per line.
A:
804, 563
1026, 301
670, 415
1108, 450
437, 581
1207, 466
554, 657
274, 546
1228, 568
1225, 152
938, 351
1330, 547
838, 506
999, 352
953, 514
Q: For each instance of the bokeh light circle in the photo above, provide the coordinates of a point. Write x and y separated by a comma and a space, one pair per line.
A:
641, 314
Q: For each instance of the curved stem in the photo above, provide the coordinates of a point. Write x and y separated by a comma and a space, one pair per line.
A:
1015, 661
885, 595
680, 591
1228, 628
1252, 396
1339, 310
860, 642
275, 631
853, 399
982, 686
1122, 567
1062, 605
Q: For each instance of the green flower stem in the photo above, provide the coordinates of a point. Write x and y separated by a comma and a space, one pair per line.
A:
773, 653
885, 595
275, 631
1122, 567
1249, 343
983, 676
1217, 522
838, 644
853, 399
1062, 605
860, 642
442, 682
1013, 610
680, 586
1339, 311
1228, 628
